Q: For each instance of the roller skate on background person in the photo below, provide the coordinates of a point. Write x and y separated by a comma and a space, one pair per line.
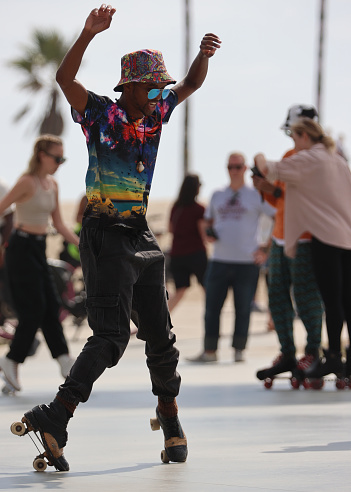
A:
288, 363
130, 272
33, 294
231, 223
291, 281
329, 363
281, 364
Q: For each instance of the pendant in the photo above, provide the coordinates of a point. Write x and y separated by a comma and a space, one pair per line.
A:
140, 167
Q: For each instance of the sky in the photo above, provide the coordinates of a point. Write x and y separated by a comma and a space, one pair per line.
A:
267, 63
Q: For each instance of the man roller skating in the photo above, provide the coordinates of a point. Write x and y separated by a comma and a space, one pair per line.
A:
122, 263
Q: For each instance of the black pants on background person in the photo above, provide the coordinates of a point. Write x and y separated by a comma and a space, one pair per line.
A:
332, 267
34, 296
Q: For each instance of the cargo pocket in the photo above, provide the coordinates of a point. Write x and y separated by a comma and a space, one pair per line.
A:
103, 313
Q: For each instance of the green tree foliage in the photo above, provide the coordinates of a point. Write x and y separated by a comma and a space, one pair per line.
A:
38, 63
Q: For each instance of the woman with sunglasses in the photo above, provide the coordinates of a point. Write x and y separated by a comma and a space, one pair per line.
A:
318, 199
32, 291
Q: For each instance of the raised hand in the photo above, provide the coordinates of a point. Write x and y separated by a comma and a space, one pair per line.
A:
209, 44
99, 19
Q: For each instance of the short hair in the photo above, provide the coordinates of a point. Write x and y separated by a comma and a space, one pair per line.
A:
237, 154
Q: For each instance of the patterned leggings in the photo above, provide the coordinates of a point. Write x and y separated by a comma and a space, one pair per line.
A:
295, 277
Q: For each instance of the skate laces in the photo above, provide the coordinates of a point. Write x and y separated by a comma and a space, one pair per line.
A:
305, 361
172, 426
51, 423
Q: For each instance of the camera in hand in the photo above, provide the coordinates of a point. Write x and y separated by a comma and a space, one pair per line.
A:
256, 172
211, 232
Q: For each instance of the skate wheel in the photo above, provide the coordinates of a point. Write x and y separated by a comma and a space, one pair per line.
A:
164, 456
295, 383
268, 383
39, 464
155, 424
340, 384
306, 384
18, 428
317, 384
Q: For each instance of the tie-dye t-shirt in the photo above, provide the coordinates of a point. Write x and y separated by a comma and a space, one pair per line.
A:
117, 193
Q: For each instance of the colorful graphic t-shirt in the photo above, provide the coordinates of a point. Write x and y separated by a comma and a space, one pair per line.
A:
117, 192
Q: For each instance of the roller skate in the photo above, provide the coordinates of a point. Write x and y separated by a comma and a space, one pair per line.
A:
330, 363
49, 427
176, 448
283, 363
298, 375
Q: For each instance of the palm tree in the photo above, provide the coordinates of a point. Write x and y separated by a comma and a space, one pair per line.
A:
39, 63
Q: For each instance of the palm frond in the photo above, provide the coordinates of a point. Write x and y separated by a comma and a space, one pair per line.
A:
39, 61
18, 116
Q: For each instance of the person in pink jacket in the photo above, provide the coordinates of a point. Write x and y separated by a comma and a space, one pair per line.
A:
318, 200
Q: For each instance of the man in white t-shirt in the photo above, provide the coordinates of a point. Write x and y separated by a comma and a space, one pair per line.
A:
231, 224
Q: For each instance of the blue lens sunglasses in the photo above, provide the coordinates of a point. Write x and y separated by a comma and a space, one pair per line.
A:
155, 92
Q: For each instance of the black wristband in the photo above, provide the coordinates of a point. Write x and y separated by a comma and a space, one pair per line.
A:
277, 193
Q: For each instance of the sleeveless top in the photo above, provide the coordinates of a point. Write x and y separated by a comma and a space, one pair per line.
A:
38, 208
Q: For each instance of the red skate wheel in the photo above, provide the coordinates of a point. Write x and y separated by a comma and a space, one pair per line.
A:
306, 383
317, 384
295, 383
340, 384
268, 383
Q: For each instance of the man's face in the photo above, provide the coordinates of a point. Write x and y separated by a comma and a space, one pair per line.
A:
236, 166
137, 94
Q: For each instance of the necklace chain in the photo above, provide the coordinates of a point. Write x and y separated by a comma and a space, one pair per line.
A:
140, 164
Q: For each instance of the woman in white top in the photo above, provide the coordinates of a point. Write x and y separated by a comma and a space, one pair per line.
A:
318, 200
33, 294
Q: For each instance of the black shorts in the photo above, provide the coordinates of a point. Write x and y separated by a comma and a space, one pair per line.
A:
182, 267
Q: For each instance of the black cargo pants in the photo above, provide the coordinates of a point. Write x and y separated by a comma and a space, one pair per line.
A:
124, 275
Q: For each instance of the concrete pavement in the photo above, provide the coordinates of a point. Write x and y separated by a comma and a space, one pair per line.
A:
241, 437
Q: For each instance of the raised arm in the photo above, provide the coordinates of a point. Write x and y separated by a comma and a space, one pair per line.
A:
198, 70
98, 20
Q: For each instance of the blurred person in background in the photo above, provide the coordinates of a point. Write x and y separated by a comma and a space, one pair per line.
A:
291, 280
32, 290
318, 200
6, 224
231, 225
188, 252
